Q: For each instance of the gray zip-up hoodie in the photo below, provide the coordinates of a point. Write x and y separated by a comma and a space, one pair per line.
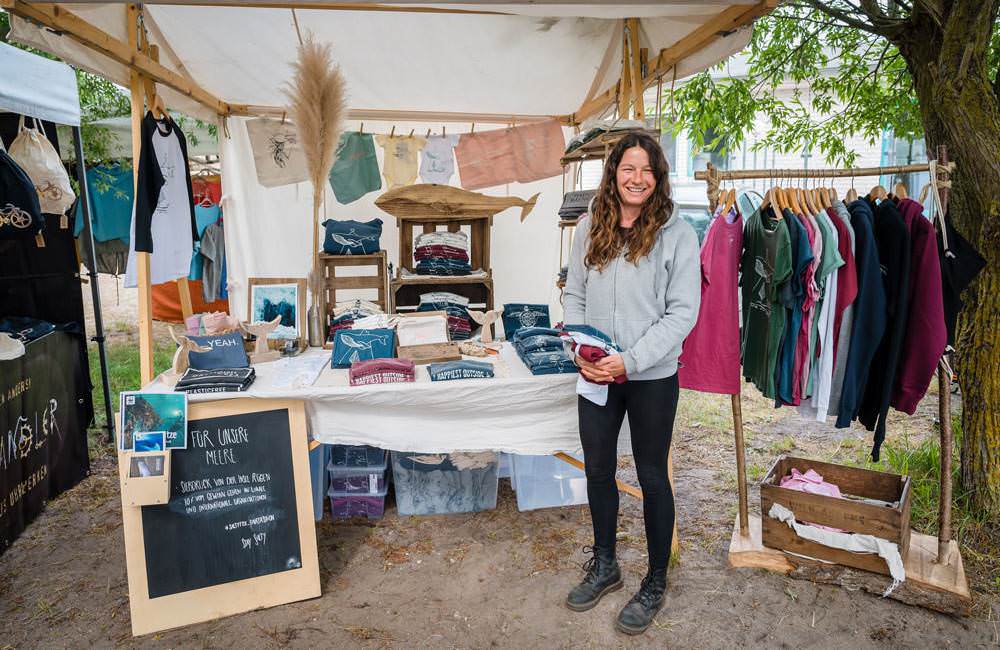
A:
647, 308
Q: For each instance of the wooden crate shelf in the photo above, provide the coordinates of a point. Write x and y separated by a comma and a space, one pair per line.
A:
331, 283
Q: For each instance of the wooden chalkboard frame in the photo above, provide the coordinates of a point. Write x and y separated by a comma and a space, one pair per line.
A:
210, 603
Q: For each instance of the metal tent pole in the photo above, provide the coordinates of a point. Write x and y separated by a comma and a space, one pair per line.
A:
95, 290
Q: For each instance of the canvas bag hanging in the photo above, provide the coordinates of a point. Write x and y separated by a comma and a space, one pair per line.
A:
277, 152
40, 161
20, 216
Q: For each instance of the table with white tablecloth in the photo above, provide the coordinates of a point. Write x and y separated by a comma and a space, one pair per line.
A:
514, 412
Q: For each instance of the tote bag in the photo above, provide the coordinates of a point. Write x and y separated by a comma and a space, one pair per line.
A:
40, 161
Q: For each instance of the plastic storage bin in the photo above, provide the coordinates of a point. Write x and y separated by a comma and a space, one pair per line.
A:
317, 471
547, 482
356, 456
430, 484
344, 505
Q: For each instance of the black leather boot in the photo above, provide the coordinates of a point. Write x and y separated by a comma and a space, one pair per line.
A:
642, 609
603, 577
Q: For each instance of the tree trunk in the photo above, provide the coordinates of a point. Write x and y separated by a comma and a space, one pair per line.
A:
960, 110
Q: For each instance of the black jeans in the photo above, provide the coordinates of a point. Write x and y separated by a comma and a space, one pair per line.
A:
651, 407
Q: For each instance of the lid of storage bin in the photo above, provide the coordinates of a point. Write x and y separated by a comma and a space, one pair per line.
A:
357, 470
380, 494
453, 462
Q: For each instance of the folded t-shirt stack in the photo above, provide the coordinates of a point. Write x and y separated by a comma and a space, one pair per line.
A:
381, 371
347, 312
442, 253
575, 204
457, 308
542, 350
220, 380
460, 370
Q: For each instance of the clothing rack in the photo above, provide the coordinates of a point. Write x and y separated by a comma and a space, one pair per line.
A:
940, 171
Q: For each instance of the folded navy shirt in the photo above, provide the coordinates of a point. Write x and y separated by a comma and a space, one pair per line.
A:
227, 351
460, 370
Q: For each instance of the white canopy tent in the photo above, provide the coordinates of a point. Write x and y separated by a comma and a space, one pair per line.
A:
422, 64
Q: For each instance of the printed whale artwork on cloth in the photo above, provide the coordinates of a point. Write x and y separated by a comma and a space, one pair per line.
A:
350, 346
352, 237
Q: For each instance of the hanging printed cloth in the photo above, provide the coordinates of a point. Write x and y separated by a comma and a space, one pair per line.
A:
437, 160
399, 164
355, 171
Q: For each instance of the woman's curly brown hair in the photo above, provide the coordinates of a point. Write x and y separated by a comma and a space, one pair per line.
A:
606, 239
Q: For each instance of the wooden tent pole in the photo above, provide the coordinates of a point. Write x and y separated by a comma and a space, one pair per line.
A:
944, 413
132, 13
741, 465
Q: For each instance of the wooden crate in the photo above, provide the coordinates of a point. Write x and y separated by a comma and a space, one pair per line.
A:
479, 237
890, 523
331, 282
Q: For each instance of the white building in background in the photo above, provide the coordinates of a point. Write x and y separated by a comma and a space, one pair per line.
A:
685, 159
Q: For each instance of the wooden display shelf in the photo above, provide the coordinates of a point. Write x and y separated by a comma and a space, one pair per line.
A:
601, 145
941, 586
405, 292
568, 223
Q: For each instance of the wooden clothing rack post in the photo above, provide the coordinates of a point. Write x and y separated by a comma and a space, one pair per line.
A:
935, 576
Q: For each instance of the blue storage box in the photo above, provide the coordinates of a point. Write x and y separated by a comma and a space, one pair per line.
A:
317, 470
431, 484
361, 345
547, 482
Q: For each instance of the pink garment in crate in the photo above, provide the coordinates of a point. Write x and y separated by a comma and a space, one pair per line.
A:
812, 482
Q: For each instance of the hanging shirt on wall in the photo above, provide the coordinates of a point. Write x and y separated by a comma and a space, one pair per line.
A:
765, 267
355, 171
710, 360
163, 220
869, 320
926, 337
399, 164
213, 253
437, 160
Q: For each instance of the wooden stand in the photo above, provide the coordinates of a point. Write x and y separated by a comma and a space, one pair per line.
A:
938, 586
406, 290
935, 576
331, 282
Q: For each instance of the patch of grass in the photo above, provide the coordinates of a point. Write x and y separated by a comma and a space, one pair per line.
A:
783, 446
123, 374
756, 472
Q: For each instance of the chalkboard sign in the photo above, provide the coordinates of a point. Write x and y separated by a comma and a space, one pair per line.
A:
232, 493
240, 512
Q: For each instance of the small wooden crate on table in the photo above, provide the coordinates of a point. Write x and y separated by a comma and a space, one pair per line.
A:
331, 282
890, 522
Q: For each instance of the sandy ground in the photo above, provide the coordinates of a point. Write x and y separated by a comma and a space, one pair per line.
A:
496, 578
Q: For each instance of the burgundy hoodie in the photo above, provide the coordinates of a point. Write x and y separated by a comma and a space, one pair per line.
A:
926, 336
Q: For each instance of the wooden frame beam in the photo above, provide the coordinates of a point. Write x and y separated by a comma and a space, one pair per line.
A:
381, 115
57, 18
721, 25
329, 6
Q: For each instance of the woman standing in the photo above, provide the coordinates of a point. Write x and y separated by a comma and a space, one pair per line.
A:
634, 274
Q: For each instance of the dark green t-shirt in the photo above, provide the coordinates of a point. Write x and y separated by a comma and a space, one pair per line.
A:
765, 265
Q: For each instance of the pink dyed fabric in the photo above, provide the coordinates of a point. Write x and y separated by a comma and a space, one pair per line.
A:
710, 360
812, 482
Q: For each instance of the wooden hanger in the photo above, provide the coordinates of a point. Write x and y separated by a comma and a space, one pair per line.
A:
833, 195
900, 190
157, 108
392, 132
877, 192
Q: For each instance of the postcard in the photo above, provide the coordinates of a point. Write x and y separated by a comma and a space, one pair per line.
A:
143, 412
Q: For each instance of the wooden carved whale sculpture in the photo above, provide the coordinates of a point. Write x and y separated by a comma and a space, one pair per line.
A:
185, 346
486, 319
431, 200
261, 352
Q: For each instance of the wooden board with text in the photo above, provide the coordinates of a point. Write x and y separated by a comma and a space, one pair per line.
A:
237, 533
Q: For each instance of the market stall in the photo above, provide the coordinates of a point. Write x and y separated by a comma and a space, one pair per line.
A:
44, 413
514, 75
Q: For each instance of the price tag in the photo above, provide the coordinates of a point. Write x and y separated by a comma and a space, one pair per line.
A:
373, 483
39, 240
64, 222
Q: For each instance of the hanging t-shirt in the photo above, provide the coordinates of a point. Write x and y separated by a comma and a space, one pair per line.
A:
802, 364
926, 337
163, 219
765, 267
110, 189
847, 292
213, 252
437, 160
399, 163
205, 215
793, 297
960, 264
710, 360
355, 171
869, 319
